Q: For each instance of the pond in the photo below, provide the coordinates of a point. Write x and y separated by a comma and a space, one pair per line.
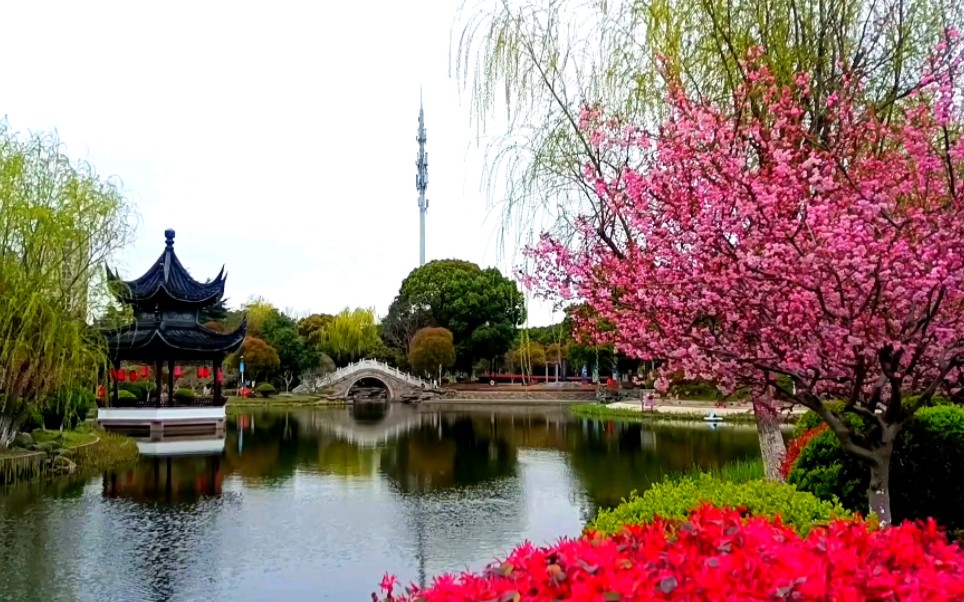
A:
318, 504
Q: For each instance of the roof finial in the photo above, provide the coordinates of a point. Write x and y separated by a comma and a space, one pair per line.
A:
169, 237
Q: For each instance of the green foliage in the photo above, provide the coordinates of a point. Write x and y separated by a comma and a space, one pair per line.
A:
64, 408
124, 395
139, 390
59, 222
260, 359
432, 349
675, 499
350, 335
924, 467
482, 308
826, 471
694, 389
295, 354
265, 390
525, 358
309, 328
184, 395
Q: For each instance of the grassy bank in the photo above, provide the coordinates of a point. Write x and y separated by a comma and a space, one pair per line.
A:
602, 412
282, 401
54, 453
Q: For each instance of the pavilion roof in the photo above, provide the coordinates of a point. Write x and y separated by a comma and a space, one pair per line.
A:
168, 283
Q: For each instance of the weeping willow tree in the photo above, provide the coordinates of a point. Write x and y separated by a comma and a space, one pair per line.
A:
530, 66
538, 63
350, 335
58, 222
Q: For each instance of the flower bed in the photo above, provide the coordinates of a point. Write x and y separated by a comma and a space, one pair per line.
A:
718, 555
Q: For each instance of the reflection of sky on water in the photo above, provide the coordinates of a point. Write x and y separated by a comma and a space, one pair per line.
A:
302, 507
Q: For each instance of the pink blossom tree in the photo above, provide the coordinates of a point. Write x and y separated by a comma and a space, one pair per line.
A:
807, 259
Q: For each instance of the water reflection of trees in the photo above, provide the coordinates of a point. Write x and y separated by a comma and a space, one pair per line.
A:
454, 450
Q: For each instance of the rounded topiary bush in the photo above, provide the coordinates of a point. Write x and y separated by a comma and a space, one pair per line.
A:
184, 395
676, 499
123, 395
137, 389
924, 468
265, 390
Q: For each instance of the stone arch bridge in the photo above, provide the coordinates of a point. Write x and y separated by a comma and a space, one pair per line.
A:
398, 384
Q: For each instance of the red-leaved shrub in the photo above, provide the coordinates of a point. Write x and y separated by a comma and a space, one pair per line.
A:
719, 556
798, 445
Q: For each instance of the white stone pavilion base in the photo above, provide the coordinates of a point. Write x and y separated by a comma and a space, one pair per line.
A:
155, 423
182, 447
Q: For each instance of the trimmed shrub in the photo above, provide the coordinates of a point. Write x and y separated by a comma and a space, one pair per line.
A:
265, 390
184, 395
676, 499
925, 472
137, 389
717, 555
824, 469
924, 468
124, 395
66, 408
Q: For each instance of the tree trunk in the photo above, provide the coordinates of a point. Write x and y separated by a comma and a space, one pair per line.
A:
772, 447
9, 427
879, 492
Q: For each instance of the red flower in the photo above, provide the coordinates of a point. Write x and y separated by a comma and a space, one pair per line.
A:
797, 446
718, 556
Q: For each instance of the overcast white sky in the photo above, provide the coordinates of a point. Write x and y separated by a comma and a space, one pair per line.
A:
275, 137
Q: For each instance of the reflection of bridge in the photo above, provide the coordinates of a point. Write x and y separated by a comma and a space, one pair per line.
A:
373, 424
397, 420
340, 382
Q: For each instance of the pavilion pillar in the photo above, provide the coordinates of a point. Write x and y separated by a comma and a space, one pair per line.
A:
115, 387
158, 383
170, 383
216, 367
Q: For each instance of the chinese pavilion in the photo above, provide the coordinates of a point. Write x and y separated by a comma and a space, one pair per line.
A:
167, 303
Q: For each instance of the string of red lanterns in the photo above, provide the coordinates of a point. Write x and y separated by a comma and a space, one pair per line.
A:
133, 375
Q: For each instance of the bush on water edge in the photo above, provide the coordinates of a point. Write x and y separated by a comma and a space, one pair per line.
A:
677, 498
717, 555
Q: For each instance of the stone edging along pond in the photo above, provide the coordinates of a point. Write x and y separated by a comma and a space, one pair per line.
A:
55, 462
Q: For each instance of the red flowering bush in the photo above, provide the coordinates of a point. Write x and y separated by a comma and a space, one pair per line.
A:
719, 556
798, 445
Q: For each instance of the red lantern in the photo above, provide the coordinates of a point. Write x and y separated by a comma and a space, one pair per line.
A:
145, 372
220, 376
177, 372
113, 374
133, 376
207, 372
121, 376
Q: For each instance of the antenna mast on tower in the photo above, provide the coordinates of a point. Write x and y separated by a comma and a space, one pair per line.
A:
421, 179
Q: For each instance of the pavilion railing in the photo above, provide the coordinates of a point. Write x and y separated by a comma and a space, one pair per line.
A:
201, 401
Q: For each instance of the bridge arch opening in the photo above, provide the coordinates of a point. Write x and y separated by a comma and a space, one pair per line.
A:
368, 413
370, 389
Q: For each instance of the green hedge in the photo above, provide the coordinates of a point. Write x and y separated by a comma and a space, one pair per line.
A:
675, 499
924, 477
265, 390
126, 395
64, 408
184, 395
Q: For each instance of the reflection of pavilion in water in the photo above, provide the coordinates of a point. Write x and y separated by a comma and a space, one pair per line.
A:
173, 469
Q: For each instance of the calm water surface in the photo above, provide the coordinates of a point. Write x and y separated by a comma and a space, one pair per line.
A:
318, 504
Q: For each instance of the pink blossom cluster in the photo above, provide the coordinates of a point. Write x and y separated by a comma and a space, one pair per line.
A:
755, 239
718, 556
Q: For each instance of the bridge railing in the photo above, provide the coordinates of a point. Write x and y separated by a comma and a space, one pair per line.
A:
369, 364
